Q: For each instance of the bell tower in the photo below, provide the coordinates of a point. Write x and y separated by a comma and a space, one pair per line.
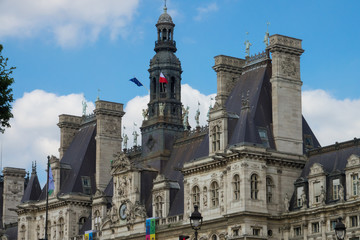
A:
163, 121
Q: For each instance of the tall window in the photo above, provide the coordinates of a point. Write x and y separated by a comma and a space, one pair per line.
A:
317, 191
158, 206
254, 186
297, 231
214, 237
236, 185
336, 188
315, 227
216, 138
354, 183
333, 224
81, 223
196, 195
214, 194
269, 189
299, 192
353, 221
62, 226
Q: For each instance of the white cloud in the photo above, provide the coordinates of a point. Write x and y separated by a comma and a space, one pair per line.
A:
33, 134
332, 120
202, 11
70, 22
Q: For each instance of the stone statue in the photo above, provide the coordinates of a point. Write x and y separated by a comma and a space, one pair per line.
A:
145, 113
135, 134
197, 116
84, 105
322, 196
303, 199
161, 109
267, 35
341, 193
247, 48
126, 138
286, 203
186, 117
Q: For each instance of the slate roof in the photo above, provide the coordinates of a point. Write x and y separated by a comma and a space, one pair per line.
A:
33, 189
79, 160
333, 158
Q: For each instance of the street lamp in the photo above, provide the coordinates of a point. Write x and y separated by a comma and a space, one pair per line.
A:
196, 220
340, 229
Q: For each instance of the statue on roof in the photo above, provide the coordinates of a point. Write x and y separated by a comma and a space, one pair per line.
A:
135, 134
84, 105
145, 113
126, 138
267, 35
185, 117
197, 116
161, 109
247, 46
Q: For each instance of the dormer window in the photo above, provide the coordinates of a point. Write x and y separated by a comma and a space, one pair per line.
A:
317, 192
299, 192
336, 188
86, 184
264, 137
354, 184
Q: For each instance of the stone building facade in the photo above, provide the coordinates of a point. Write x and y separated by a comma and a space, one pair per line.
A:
256, 171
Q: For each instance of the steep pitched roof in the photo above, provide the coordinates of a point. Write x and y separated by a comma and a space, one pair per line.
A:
332, 158
81, 157
33, 189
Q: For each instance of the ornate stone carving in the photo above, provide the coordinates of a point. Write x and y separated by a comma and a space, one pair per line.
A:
316, 168
288, 67
134, 211
121, 162
353, 160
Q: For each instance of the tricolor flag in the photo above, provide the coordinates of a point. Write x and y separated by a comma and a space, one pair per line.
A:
137, 82
51, 182
162, 78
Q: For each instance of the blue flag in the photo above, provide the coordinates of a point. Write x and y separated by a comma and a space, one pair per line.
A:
137, 82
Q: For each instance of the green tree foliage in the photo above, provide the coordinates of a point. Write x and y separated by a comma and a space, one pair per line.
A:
6, 96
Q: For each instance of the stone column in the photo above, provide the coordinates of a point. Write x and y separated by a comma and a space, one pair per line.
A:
12, 193
286, 93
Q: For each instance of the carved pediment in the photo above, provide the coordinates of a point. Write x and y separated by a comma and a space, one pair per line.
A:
316, 168
121, 163
353, 161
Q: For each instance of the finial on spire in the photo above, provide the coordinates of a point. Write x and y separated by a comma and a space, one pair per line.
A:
165, 8
267, 35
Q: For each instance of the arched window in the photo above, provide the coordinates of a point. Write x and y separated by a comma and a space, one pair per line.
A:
254, 186
214, 237
196, 195
81, 223
158, 206
62, 226
22, 232
154, 85
236, 187
269, 189
164, 35
214, 189
172, 87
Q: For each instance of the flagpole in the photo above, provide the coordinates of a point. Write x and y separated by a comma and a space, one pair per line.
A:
47, 198
143, 85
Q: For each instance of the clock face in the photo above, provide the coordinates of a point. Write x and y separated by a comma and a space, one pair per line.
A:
122, 211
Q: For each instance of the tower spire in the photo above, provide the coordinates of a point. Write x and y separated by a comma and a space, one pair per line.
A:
165, 8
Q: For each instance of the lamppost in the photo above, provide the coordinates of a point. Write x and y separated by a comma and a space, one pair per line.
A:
340, 229
196, 220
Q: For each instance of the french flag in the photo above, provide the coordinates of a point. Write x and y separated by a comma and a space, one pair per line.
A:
162, 78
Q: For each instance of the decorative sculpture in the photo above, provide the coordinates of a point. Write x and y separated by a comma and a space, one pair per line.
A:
286, 203
247, 46
322, 195
197, 116
135, 134
84, 105
126, 138
186, 117
303, 199
267, 35
145, 113
161, 109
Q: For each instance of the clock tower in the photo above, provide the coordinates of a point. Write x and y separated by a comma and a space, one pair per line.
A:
163, 122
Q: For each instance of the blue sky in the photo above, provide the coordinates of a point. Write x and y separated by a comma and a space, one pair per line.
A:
67, 50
